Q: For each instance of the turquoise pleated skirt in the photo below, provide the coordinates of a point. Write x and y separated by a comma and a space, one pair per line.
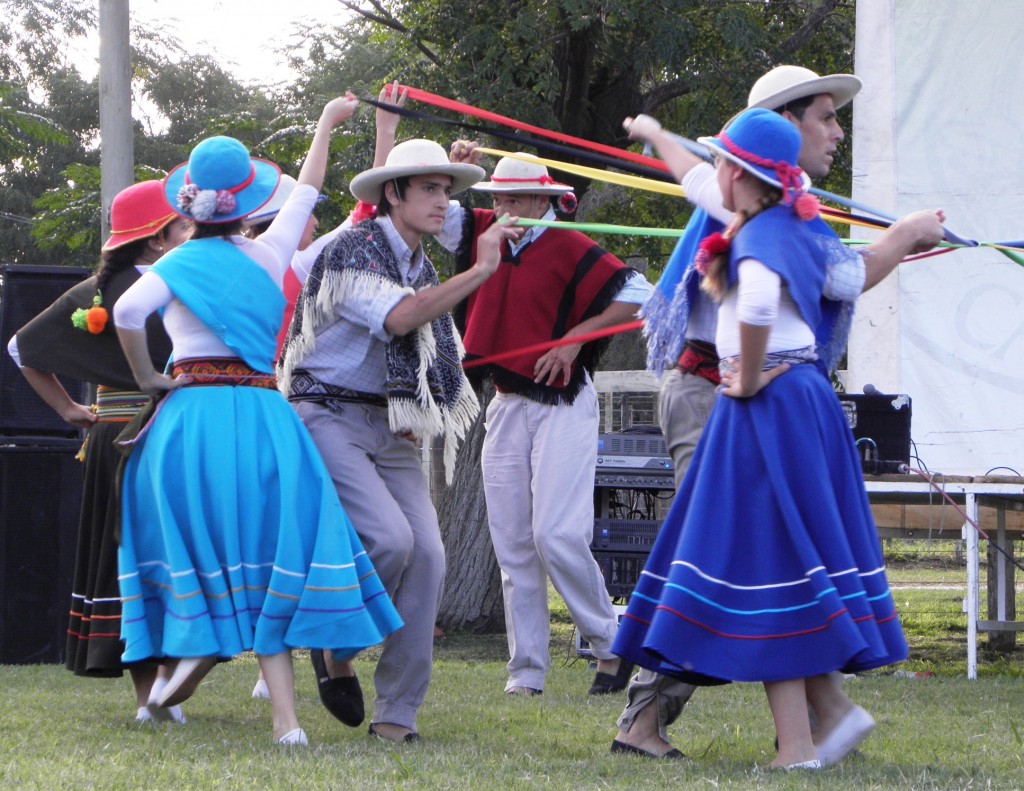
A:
233, 538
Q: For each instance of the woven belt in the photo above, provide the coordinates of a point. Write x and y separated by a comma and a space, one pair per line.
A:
117, 406
222, 372
775, 359
306, 387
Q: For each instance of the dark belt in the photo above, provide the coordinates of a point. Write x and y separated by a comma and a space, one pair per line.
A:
306, 387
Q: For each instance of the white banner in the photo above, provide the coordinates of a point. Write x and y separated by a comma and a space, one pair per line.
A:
938, 124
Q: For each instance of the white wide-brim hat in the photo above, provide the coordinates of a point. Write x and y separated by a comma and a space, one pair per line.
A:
785, 84
517, 175
416, 157
269, 210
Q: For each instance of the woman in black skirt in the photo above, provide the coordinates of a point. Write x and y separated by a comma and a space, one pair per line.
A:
75, 337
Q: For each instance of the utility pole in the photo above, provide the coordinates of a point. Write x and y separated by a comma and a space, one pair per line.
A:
117, 151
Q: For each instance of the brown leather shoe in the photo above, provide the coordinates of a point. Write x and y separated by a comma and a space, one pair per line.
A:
523, 692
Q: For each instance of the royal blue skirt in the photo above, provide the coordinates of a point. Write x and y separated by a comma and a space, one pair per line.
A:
768, 566
233, 537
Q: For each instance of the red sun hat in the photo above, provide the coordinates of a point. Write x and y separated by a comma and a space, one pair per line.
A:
138, 212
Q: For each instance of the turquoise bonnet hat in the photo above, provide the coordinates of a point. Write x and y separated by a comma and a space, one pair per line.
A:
220, 182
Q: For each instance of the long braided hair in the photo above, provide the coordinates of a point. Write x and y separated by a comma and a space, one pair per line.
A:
716, 262
119, 259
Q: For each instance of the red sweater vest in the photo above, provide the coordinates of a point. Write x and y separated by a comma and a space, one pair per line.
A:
553, 284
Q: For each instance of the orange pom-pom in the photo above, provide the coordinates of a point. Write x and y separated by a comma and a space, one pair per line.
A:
96, 320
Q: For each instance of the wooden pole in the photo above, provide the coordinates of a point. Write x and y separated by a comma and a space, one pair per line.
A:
117, 152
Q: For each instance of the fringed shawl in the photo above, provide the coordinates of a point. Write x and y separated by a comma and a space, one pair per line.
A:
667, 310
800, 253
427, 392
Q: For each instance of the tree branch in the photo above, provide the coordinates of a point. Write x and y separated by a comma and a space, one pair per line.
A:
663, 93
385, 18
810, 26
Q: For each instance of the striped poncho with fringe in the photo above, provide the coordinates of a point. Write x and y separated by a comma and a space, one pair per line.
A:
427, 392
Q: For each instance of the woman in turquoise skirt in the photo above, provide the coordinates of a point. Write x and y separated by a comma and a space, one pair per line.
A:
233, 537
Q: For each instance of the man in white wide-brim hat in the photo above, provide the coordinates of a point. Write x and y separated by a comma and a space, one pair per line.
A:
540, 452
809, 101
371, 363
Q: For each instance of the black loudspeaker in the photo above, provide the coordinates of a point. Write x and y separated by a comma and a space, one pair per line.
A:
24, 292
40, 500
881, 426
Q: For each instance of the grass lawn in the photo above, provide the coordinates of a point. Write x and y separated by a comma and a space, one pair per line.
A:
59, 731
943, 732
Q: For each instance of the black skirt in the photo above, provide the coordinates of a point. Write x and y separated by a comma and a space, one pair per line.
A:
94, 644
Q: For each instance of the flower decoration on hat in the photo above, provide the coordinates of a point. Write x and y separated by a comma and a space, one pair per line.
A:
92, 320
205, 205
567, 203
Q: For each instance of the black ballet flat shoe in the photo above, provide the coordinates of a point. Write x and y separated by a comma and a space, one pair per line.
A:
606, 683
410, 737
342, 696
629, 749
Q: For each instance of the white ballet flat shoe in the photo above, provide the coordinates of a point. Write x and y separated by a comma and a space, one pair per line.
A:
296, 737
843, 739
260, 691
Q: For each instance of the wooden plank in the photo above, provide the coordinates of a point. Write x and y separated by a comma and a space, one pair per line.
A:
1001, 626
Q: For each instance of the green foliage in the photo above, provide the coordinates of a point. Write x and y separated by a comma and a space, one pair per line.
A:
578, 66
20, 128
69, 215
34, 35
47, 112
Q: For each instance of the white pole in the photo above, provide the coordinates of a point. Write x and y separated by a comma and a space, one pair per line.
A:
970, 536
117, 152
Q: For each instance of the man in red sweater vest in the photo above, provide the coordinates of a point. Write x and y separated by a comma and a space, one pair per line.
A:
540, 452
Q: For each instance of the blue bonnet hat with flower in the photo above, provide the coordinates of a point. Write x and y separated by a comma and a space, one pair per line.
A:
220, 182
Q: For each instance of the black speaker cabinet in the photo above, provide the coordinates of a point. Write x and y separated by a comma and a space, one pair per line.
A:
880, 424
24, 292
40, 499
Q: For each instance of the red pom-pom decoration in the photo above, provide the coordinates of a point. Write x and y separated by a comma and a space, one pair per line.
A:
567, 203
225, 202
710, 246
715, 244
806, 207
363, 211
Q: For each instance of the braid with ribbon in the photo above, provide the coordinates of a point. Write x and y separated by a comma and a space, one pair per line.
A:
712, 257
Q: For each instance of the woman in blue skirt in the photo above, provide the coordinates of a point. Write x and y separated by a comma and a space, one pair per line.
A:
233, 537
768, 567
